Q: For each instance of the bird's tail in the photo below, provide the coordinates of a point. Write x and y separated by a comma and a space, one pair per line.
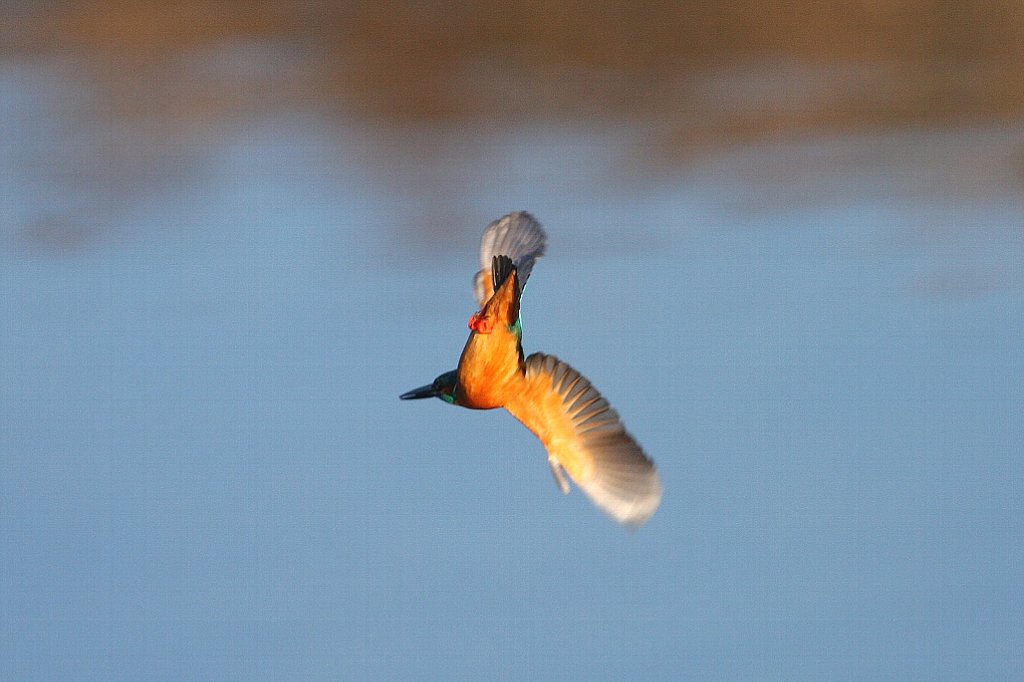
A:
502, 268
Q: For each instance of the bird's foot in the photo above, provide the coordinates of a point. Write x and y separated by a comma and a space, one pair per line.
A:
481, 324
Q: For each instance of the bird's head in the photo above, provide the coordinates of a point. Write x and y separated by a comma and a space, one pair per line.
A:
443, 387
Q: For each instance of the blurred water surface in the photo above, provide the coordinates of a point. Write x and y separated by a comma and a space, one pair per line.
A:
789, 253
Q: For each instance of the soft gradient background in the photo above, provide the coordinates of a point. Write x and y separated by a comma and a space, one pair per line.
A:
786, 243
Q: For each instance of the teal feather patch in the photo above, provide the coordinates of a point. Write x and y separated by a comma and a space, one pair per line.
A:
517, 328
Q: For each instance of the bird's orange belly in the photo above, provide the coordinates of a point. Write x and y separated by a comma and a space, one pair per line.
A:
488, 364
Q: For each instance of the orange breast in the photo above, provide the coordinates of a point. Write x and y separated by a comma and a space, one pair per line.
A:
491, 361
487, 369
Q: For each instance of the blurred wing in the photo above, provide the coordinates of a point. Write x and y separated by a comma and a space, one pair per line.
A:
518, 236
585, 439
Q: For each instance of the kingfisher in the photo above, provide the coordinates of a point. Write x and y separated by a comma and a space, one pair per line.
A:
585, 440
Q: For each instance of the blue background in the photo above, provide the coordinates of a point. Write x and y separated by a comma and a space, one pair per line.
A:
206, 472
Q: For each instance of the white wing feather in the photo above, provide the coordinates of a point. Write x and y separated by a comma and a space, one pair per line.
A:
518, 236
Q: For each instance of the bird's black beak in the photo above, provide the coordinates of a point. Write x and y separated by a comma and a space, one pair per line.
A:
427, 391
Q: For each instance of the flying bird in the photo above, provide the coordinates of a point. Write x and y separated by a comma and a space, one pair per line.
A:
584, 438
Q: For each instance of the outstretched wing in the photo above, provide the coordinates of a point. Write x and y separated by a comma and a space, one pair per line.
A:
586, 440
518, 236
